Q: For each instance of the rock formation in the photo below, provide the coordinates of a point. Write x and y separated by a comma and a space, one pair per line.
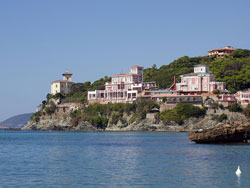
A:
231, 132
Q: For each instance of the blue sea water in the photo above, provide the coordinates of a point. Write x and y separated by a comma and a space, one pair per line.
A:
107, 159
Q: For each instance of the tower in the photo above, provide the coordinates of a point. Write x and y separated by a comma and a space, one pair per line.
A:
67, 76
137, 70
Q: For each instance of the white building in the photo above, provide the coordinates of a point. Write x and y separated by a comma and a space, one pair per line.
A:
62, 86
243, 97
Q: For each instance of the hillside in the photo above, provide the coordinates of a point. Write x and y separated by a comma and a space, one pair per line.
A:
16, 121
234, 70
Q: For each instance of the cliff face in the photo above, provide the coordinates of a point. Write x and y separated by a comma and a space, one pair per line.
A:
64, 123
58, 123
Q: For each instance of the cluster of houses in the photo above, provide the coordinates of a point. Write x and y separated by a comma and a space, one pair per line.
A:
195, 88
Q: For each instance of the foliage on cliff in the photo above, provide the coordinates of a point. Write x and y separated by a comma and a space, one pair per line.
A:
100, 114
79, 90
233, 69
246, 111
181, 112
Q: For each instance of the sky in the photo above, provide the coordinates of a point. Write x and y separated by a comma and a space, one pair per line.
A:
39, 40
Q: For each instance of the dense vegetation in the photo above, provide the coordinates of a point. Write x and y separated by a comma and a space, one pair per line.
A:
246, 111
100, 114
79, 90
181, 112
233, 69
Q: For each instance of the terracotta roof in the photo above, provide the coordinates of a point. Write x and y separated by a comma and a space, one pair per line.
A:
226, 48
125, 74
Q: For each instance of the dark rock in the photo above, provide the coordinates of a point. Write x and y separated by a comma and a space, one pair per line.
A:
232, 132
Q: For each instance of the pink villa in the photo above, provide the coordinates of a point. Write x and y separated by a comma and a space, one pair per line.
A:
123, 88
221, 52
243, 97
201, 81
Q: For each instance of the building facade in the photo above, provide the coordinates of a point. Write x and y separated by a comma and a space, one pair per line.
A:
226, 99
123, 88
221, 52
62, 86
243, 97
201, 81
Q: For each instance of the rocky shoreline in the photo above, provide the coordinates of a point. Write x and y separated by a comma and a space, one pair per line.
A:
231, 132
63, 123
202, 130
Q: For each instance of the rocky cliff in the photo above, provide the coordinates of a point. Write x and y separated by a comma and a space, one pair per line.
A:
230, 132
65, 122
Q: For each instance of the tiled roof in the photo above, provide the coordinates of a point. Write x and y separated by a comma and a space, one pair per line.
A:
230, 49
124, 74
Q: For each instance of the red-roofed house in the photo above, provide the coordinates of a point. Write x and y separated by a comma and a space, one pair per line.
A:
221, 52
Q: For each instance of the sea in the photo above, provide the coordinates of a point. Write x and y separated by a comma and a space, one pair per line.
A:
118, 159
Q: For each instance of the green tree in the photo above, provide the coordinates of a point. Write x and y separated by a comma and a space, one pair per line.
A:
235, 107
246, 111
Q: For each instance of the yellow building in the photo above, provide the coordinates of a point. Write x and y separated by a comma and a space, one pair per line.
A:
62, 86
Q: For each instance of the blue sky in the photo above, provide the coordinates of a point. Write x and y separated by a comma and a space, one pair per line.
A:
93, 38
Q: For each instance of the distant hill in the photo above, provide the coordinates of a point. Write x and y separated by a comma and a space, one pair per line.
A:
16, 121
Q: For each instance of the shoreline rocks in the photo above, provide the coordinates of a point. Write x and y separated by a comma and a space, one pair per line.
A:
231, 132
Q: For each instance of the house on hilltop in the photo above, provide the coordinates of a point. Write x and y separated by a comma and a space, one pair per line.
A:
62, 86
221, 52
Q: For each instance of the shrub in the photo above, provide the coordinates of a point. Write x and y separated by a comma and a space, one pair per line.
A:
221, 106
76, 113
36, 117
246, 111
115, 118
99, 122
216, 91
181, 112
50, 109
133, 118
222, 117
235, 107
164, 99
